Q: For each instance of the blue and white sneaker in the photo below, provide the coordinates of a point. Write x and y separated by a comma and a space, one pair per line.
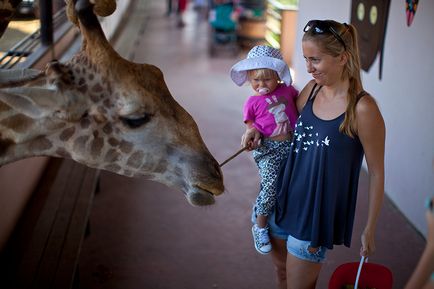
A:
261, 239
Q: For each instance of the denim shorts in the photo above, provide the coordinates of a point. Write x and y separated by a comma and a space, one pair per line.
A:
295, 247
300, 249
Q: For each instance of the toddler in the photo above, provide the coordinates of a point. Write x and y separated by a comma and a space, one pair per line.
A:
272, 112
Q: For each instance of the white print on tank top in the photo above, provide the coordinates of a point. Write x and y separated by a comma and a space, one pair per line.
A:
277, 109
308, 138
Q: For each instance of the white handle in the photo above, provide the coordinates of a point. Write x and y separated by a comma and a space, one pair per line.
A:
362, 260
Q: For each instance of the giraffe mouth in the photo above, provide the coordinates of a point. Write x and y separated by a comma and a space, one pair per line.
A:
200, 197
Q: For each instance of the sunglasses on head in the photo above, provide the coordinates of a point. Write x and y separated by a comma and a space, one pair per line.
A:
322, 26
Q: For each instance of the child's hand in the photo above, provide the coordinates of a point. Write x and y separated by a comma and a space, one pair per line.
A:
251, 139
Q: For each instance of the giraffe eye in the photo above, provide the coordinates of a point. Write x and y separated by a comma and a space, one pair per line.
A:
135, 122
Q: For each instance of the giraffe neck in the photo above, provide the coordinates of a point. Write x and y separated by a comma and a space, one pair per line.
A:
22, 136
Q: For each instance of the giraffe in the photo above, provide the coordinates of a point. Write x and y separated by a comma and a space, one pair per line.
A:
105, 112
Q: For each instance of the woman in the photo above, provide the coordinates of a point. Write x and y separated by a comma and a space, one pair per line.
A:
317, 187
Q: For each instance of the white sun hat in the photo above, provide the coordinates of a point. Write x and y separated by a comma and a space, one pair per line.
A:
261, 56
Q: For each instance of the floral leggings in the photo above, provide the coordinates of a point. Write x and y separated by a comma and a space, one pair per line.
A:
268, 158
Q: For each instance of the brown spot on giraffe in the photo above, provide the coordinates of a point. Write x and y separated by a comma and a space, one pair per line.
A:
41, 144
96, 88
126, 147
96, 145
108, 129
128, 173
67, 133
82, 88
113, 167
107, 103
136, 159
19, 123
94, 97
4, 107
162, 166
52, 126
61, 152
80, 143
102, 110
113, 142
111, 156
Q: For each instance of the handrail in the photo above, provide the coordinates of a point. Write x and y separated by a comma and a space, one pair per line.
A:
29, 44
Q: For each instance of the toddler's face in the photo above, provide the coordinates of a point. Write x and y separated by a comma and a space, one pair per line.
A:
263, 81
263, 85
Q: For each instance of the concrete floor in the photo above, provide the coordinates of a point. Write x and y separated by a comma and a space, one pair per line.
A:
145, 235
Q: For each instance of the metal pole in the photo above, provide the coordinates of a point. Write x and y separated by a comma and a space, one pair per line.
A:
46, 20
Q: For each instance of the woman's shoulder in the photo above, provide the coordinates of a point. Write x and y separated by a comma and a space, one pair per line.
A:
366, 103
370, 125
368, 113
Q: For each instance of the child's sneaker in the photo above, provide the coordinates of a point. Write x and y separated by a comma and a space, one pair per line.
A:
261, 239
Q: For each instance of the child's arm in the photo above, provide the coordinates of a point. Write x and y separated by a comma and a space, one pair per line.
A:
251, 137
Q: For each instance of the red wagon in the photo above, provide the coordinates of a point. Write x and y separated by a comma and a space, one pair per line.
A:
370, 276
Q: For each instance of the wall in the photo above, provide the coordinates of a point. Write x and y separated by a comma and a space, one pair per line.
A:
405, 96
17, 181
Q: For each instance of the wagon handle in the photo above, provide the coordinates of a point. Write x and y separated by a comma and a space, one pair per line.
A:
362, 260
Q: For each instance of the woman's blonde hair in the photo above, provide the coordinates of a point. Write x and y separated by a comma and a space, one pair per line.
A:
332, 45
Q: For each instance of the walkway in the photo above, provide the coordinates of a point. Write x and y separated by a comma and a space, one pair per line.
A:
145, 235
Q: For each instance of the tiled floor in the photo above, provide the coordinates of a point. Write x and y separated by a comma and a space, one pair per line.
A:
145, 235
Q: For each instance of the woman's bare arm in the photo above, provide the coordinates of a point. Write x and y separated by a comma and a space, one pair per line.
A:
371, 132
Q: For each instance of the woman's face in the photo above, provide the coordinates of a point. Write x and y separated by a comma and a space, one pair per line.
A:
325, 69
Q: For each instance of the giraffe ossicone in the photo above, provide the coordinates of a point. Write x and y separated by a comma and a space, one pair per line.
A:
107, 113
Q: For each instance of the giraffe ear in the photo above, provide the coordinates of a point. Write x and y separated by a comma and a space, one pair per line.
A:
9, 76
27, 92
39, 102
20, 102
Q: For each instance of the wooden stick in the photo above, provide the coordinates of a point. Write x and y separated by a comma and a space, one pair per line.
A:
233, 156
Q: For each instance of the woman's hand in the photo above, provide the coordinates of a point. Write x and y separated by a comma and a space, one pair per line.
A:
368, 243
251, 138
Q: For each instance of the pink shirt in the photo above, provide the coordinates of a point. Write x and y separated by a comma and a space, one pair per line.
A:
273, 113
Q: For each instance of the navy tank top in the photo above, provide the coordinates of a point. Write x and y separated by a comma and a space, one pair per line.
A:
317, 187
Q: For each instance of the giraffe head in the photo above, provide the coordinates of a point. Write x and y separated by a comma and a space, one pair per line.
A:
108, 113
